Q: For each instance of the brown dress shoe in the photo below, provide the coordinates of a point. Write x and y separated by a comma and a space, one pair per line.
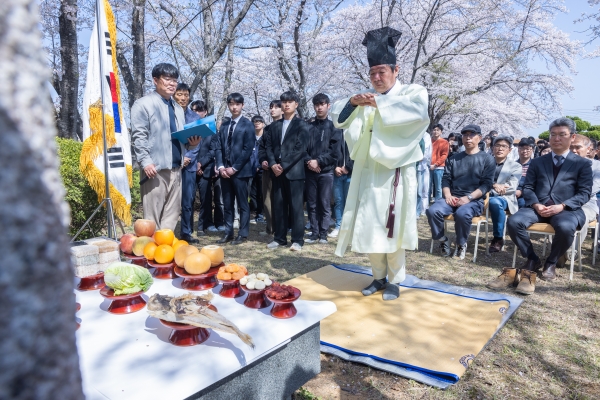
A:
532, 265
527, 284
508, 278
496, 245
549, 272
562, 260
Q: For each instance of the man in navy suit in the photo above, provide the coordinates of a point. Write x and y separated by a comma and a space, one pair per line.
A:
233, 147
285, 147
556, 186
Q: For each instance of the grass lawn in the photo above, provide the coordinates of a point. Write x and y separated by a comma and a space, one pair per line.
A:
550, 348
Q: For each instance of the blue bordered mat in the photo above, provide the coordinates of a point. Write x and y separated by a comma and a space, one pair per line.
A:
438, 379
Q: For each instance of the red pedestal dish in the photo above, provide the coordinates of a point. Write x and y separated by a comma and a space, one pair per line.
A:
77, 308
162, 271
204, 281
285, 308
230, 288
137, 260
256, 298
187, 335
125, 303
92, 282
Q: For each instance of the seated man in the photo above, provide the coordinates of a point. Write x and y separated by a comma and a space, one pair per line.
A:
581, 146
468, 176
502, 195
526, 150
556, 187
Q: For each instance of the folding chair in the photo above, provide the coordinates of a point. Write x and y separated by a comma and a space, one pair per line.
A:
594, 225
548, 231
476, 221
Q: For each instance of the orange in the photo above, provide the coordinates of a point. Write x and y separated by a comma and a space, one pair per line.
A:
175, 240
179, 243
164, 236
164, 254
149, 251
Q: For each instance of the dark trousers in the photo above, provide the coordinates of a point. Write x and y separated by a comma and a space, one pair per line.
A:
236, 188
188, 195
318, 202
564, 223
287, 205
267, 199
256, 195
463, 216
210, 192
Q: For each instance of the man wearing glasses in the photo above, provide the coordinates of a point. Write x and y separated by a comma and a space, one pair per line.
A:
502, 195
556, 187
153, 118
526, 151
468, 176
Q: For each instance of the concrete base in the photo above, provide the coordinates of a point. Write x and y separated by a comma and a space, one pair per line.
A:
275, 376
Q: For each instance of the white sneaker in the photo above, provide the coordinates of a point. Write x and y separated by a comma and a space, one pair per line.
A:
334, 233
212, 229
236, 224
273, 245
322, 241
460, 251
295, 247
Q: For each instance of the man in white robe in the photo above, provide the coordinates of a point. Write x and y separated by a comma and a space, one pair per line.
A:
383, 128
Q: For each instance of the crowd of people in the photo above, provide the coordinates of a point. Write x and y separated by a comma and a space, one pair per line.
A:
555, 182
276, 171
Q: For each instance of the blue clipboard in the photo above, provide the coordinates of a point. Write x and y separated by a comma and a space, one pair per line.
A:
203, 127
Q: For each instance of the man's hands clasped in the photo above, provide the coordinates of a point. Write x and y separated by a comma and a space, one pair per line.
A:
364, 99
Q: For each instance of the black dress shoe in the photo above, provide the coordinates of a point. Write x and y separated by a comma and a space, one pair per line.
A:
200, 233
189, 239
549, 272
239, 240
532, 265
225, 239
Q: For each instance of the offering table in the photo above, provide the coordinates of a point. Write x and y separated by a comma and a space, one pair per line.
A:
130, 357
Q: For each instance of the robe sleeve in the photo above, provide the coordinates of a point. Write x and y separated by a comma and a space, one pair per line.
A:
399, 125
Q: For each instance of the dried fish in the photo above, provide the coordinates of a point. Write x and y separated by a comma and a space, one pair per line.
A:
193, 310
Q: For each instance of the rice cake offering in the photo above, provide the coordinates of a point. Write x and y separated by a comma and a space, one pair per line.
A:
258, 281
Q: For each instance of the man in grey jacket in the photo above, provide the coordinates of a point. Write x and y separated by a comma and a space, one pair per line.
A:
502, 195
153, 118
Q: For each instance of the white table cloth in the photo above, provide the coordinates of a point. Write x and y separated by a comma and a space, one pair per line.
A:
129, 356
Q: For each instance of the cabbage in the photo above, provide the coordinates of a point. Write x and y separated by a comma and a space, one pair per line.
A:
126, 278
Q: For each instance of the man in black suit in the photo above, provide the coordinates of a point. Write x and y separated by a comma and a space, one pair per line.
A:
285, 147
233, 147
208, 183
556, 186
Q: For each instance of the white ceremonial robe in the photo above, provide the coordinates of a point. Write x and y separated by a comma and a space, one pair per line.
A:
380, 140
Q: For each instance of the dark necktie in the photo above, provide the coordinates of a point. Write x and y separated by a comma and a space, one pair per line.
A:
559, 160
230, 135
229, 142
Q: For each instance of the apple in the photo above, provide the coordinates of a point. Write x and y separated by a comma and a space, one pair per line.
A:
126, 243
144, 227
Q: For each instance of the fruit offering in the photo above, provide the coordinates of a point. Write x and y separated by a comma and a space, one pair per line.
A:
215, 253
182, 252
232, 272
256, 281
279, 292
196, 264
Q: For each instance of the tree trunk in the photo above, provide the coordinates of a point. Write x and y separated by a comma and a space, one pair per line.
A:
139, 50
134, 76
38, 355
68, 118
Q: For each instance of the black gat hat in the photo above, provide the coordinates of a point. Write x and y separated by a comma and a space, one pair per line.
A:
381, 46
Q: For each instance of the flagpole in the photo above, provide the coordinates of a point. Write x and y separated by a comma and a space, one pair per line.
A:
110, 219
109, 210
